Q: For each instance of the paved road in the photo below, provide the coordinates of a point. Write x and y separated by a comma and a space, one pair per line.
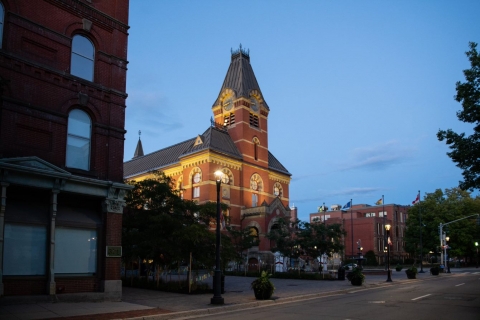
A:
453, 298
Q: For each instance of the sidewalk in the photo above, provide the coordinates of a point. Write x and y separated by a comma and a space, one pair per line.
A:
147, 304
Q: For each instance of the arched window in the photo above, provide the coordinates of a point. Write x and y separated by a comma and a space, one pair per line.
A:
256, 142
82, 57
254, 200
78, 140
254, 236
2, 15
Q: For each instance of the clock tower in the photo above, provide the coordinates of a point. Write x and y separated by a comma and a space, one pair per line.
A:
241, 109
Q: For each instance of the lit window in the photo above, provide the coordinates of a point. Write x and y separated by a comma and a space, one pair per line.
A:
196, 192
2, 14
78, 140
82, 57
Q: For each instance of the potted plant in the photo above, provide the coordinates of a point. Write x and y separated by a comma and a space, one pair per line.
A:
398, 267
263, 287
411, 272
434, 270
356, 277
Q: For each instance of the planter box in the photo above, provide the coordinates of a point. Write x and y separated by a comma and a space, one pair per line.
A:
356, 282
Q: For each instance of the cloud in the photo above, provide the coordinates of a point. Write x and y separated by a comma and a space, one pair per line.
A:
378, 157
345, 194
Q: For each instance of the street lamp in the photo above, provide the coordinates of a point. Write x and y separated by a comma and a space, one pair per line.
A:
217, 290
447, 256
476, 246
389, 272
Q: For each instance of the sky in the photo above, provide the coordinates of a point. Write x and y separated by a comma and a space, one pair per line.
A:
357, 90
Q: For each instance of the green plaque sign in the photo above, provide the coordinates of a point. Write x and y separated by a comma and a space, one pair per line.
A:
114, 251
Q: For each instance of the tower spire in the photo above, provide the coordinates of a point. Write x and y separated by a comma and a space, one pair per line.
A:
139, 149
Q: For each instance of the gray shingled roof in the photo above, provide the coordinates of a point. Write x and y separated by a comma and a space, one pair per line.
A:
274, 164
214, 139
240, 77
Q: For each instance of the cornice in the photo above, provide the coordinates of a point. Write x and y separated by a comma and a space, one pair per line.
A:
83, 10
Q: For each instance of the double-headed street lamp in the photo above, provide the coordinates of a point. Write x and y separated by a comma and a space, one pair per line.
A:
389, 272
217, 290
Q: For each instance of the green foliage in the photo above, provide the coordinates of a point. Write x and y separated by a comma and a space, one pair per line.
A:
356, 274
262, 286
412, 270
303, 238
159, 225
371, 258
240, 240
443, 207
465, 149
398, 267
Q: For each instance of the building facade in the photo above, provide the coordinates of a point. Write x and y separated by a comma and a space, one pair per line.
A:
364, 225
63, 70
255, 184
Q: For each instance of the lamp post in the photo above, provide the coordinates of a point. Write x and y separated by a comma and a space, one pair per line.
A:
447, 256
217, 290
476, 246
389, 272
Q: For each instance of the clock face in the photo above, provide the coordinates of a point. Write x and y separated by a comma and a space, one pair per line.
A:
253, 185
228, 104
254, 104
196, 177
225, 178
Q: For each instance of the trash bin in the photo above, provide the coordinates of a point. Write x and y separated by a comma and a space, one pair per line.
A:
341, 273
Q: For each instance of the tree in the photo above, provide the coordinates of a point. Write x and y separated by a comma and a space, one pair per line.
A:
159, 225
318, 238
240, 240
466, 149
443, 207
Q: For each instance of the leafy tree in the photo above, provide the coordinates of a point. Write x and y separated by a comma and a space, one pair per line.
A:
240, 240
159, 225
283, 238
443, 207
466, 149
319, 238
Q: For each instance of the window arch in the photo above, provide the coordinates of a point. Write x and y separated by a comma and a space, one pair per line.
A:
2, 17
78, 140
256, 182
82, 59
256, 142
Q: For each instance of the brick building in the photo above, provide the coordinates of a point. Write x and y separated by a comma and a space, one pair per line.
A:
255, 183
62, 114
368, 226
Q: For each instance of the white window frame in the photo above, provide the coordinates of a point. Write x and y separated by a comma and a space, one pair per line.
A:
78, 59
73, 158
196, 192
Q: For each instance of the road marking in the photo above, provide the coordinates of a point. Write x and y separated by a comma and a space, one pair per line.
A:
458, 285
376, 301
421, 297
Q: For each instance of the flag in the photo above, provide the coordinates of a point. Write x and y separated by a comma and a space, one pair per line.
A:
417, 199
389, 241
347, 206
222, 221
380, 201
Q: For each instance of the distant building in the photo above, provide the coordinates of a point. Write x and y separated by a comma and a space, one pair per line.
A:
62, 118
255, 183
368, 227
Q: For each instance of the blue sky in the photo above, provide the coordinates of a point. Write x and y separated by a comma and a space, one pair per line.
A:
357, 90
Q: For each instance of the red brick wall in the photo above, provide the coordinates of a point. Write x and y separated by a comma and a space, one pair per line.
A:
19, 286
77, 284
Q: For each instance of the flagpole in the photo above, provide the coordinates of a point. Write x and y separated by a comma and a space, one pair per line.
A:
384, 234
421, 227
351, 222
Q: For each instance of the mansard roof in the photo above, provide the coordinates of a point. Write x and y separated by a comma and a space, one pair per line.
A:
213, 139
240, 77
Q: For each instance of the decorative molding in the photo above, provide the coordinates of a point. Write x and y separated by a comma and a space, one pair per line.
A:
114, 206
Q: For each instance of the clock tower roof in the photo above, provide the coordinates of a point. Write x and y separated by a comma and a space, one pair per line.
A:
240, 76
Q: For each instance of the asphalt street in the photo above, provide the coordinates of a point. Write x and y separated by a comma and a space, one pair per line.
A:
453, 298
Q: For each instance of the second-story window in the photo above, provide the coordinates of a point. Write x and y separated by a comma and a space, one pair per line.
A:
82, 57
78, 140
